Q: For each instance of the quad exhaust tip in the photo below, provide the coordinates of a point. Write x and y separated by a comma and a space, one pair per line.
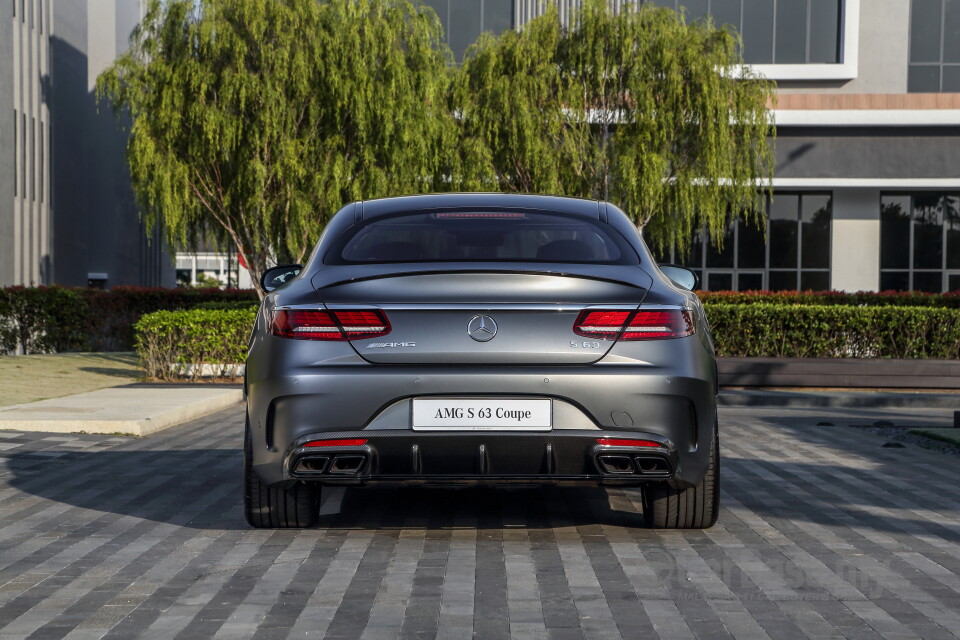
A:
339, 465
625, 465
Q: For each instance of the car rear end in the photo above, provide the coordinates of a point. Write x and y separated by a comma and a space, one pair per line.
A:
439, 343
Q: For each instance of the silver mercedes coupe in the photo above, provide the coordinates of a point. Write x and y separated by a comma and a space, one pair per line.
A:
494, 339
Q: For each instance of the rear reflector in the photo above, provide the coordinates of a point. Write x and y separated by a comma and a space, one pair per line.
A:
326, 325
620, 442
336, 443
654, 324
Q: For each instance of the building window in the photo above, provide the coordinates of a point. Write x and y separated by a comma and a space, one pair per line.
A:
464, 20
934, 46
775, 31
920, 242
16, 157
23, 154
794, 256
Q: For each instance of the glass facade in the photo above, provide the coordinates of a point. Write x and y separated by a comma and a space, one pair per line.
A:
464, 20
934, 46
793, 254
920, 242
775, 31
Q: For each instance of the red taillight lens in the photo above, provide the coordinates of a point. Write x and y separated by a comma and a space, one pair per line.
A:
654, 325
363, 324
620, 442
600, 324
305, 325
327, 325
336, 443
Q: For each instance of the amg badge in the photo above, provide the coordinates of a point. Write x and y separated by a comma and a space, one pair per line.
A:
384, 345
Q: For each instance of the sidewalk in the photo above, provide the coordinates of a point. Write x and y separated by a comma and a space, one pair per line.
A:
136, 409
142, 409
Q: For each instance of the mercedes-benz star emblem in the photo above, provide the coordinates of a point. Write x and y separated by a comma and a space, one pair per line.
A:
482, 328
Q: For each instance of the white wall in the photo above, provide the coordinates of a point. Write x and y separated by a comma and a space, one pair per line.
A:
855, 250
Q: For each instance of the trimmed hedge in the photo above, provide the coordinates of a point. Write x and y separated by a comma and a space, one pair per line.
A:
177, 344
53, 319
834, 331
861, 298
182, 344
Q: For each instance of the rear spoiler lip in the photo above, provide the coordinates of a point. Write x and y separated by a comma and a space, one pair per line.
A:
456, 271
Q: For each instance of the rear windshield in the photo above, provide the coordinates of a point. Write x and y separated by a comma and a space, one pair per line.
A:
506, 236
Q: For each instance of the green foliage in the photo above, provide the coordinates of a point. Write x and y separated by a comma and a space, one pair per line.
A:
58, 319
860, 298
254, 121
42, 320
637, 107
177, 344
834, 331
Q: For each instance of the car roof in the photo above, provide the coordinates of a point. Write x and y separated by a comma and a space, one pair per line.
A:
385, 206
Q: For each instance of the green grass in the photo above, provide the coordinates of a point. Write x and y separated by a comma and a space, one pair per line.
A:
945, 434
32, 378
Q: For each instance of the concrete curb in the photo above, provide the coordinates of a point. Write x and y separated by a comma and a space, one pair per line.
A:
837, 399
134, 410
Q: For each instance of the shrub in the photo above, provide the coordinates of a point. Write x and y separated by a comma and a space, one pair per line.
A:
860, 298
834, 331
51, 319
183, 344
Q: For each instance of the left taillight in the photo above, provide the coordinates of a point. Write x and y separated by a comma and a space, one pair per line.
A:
307, 324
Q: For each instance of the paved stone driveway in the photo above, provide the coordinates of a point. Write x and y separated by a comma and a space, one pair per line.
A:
823, 533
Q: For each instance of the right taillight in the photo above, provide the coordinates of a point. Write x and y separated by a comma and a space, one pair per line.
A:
659, 324
652, 324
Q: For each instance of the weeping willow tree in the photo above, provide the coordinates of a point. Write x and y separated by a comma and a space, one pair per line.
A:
637, 107
254, 121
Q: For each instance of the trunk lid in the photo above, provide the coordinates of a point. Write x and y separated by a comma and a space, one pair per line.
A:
516, 316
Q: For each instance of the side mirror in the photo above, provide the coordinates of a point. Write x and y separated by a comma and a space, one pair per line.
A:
680, 276
278, 276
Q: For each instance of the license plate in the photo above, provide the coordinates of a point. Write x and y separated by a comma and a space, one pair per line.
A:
481, 414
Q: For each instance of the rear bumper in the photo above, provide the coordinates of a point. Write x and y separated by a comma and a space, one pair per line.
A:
416, 457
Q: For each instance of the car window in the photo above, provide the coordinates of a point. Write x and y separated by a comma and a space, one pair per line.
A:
484, 236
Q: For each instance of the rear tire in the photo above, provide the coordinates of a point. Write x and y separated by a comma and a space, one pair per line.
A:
697, 507
276, 507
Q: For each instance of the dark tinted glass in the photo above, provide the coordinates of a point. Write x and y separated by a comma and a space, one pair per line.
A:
724, 257
824, 30
791, 46
757, 31
749, 281
465, 25
953, 282
928, 281
815, 215
720, 282
923, 79
951, 31
895, 232
925, 21
927, 232
951, 78
482, 236
752, 252
497, 15
894, 281
694, 255
783, 281
814, 280
951, 214
726, 12
783, 231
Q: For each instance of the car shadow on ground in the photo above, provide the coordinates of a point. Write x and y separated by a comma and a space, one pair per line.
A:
200, 488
